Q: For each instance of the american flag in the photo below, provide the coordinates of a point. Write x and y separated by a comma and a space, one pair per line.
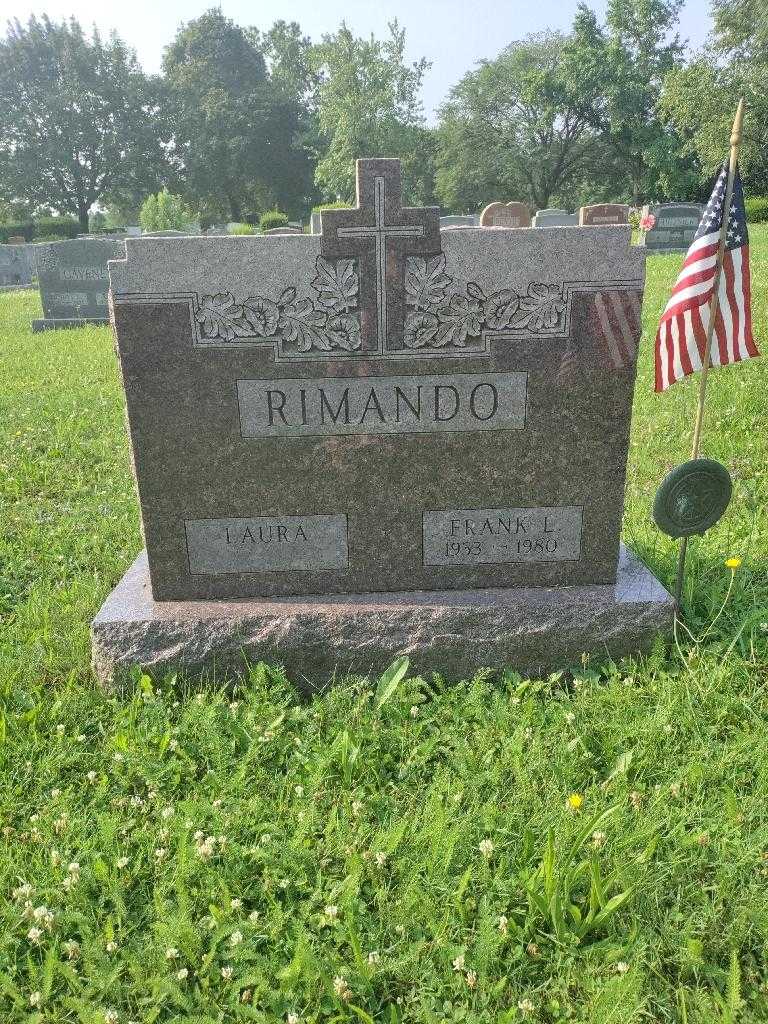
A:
682, 336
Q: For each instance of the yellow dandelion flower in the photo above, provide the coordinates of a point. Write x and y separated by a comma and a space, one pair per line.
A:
575, 801
733, 563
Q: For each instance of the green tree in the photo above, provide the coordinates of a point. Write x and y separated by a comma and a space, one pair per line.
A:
515, 127
78, 117
621, 67
163, 212
237, 133
370, 105
700, 99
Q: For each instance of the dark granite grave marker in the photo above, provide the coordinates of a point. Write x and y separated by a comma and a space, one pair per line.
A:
603, 213
74, 281
671, 226
379, 410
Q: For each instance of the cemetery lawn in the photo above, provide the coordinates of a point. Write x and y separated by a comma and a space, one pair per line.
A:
588, 847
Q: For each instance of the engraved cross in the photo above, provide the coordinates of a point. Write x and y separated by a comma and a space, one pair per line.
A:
381, 234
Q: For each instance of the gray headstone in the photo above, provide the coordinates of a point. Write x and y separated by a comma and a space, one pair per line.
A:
471, 220
286, 229
169, 233
314, 223
133, 231
383, 407
552, 218
674, 225
74, 281
15, 266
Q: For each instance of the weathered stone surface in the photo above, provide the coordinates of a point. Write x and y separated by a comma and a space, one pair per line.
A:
505, 215
451, 632
604, 213
555, 219
673, 226
74, 281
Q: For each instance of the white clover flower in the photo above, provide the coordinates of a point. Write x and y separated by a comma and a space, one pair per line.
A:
226, 973
35, 999
161, 853
414, 712
526, 1006
173, 745
60, 729
55, 794
122, 862
217, 802
504, 924
73, 868
23, 892
622, 967
357, 806
570, 718
166, 813
341, 988
332, 911
236, 903
92, 776
72, 949
171, 953
458, 963
381, 859
472, 978
292, 1018
110, 1017
598, 839
34, 935
374, 957
110, 946
298, 790
182, 974
486, 848
235, 938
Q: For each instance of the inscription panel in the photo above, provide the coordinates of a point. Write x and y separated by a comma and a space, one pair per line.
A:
267, 544
428, 403
498, 535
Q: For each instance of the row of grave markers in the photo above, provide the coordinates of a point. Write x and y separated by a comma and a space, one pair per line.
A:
74, 282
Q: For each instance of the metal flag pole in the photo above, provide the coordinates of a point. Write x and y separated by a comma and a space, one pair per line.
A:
713, 308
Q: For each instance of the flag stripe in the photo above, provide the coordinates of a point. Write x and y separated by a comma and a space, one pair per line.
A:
682, 335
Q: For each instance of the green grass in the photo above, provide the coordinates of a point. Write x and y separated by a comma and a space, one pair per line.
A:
176, 804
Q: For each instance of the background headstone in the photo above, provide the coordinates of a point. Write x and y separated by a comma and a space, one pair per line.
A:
506, 215
553, 218
287, 229
74, 281
604, 213
315, 226
15, 269
169, 233
471, 220
674, 225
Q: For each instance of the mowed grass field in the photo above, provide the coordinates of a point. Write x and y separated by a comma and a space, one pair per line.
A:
589, 847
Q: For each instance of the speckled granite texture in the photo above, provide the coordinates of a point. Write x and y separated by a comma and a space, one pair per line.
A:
532, 630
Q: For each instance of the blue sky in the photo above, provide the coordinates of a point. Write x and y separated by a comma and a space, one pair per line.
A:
453, 34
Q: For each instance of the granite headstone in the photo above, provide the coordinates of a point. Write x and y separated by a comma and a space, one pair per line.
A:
383, 438
505, 215
604, 213
552, 218
672, 226
15, 269
314, 223
74, 281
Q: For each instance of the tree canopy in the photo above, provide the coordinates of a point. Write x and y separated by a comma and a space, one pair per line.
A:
78, 117
245, 118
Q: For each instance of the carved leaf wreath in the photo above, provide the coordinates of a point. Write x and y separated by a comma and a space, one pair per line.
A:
438, 319
323, 323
